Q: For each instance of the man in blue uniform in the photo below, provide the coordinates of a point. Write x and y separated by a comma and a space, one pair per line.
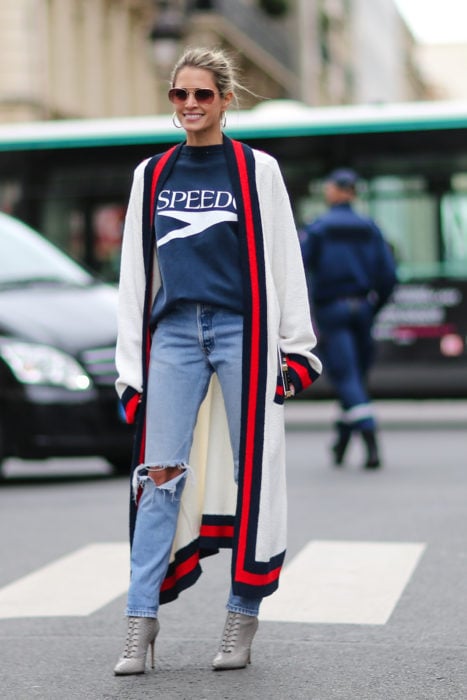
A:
352, 275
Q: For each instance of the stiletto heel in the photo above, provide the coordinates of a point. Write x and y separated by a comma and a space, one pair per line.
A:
141, 634
235, 647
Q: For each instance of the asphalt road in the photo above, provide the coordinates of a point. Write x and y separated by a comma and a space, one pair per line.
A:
418, 652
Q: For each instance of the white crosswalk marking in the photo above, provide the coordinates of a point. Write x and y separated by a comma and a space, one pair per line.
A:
327, 582
343, 583
74, 585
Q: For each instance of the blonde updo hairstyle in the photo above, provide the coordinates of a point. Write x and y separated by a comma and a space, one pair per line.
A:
217, 62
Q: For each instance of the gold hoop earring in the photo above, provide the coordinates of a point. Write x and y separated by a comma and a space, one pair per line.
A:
174, 117
223, 120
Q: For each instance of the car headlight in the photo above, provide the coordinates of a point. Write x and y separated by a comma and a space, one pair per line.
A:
42, 364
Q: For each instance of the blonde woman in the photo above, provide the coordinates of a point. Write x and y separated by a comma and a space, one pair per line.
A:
213, 302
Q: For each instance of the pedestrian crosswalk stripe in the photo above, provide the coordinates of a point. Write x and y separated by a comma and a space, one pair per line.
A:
343, 583
74, 585
332, 582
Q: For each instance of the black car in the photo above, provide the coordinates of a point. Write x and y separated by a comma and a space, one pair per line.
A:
58, 327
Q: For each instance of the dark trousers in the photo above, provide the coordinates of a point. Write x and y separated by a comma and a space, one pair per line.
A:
346, 348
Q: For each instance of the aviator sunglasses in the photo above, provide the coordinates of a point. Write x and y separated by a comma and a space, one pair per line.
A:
202, 95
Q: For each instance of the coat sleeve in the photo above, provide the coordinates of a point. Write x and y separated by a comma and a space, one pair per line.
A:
296, 335
131, 293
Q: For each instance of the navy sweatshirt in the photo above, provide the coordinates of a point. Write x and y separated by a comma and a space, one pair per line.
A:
196, 227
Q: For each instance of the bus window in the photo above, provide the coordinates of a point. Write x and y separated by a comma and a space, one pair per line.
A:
454, 227
407, 216
311, 205
10, 195
403, 210
90, 232
63, 223
107, 227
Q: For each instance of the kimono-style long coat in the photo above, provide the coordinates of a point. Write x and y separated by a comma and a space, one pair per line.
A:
215, 512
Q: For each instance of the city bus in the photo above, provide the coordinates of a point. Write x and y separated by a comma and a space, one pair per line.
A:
71, 180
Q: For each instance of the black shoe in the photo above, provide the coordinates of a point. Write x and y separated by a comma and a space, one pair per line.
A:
373, 460
340, 446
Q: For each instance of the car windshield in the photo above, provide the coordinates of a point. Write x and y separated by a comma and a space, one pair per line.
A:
27, 257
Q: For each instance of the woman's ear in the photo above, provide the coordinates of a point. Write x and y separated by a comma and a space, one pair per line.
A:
227, 99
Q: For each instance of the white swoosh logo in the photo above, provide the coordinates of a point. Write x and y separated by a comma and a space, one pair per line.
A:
197, 222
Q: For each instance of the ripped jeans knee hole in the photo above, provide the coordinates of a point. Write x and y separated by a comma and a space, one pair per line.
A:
164, 475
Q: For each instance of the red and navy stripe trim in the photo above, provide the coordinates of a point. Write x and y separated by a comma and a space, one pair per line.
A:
251, 577
300, 371
155, 174
182, 573
216, 532
152, 185
130, 402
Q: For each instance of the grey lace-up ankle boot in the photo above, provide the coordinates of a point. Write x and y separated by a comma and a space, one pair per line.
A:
142, 633
235, 647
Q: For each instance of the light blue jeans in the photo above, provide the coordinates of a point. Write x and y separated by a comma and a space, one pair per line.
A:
188, 345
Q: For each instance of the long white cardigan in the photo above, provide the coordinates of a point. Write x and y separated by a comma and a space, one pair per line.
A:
215, 512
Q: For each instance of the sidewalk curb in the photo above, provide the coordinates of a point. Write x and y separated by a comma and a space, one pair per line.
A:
305, 414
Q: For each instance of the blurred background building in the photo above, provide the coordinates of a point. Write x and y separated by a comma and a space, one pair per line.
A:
104, 58
442, 65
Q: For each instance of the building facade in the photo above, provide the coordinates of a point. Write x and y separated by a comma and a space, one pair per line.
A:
104, 58
346, 58
75, 58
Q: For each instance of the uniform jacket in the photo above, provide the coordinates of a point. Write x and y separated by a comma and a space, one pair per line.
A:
215, 512
347, 256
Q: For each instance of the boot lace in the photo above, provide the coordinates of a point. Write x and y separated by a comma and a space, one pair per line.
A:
230, 635
131, 643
